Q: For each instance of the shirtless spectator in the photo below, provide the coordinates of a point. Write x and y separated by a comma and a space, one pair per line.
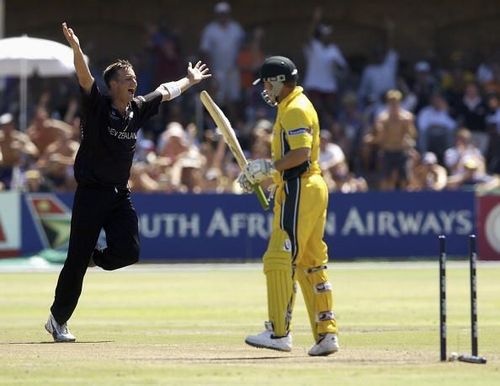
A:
43, 130
57, 162
140, 180
428, 174
14, 147
395, 135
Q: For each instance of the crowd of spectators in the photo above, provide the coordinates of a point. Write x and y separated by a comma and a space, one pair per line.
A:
384, 127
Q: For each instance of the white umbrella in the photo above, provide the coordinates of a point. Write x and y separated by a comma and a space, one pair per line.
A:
24, 56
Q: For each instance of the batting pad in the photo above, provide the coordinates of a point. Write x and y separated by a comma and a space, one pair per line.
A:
317, 292
280, 292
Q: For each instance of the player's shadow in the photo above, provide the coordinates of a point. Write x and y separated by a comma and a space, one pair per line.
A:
208, 360
242, 359
78, 342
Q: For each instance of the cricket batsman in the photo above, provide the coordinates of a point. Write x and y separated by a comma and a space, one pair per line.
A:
296, 250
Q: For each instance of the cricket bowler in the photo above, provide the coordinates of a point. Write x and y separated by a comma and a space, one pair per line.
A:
102, 169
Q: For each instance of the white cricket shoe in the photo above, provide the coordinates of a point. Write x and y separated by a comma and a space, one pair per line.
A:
267, 340
327, 344
59, 332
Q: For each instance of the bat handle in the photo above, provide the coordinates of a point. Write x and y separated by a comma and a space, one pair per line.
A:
261, 196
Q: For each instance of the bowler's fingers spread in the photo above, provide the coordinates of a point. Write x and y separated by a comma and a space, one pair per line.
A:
205, 73
67, 35
66, 28
68, 32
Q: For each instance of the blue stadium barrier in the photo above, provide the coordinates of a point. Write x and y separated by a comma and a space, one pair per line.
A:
221, 227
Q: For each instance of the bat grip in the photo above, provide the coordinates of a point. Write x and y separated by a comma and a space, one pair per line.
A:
261, 196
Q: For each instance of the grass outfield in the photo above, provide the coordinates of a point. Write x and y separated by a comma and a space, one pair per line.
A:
185, 325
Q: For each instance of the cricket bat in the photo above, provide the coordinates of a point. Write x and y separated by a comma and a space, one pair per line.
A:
231, 141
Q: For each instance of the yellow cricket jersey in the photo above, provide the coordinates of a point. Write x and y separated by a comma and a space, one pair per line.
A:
296, 249
296, 126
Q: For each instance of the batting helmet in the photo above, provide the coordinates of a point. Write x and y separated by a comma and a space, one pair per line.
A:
277, 68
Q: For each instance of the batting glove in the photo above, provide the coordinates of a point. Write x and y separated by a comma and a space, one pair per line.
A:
244, 183
259, 169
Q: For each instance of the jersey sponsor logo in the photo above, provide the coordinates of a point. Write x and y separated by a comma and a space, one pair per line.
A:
121, 134
299, 131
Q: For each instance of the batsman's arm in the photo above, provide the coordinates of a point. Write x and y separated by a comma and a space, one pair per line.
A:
293, 158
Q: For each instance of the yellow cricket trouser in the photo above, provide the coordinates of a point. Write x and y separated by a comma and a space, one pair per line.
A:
296, 251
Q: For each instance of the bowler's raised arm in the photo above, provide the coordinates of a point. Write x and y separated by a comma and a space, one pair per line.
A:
82, 70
